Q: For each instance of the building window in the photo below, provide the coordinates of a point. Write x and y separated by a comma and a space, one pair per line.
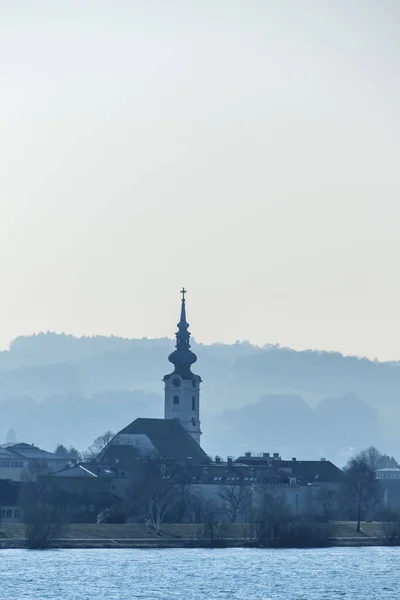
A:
113, 488
2, 513
16, 465
9, 513
176, 399
17, 514
193, 383
193, 403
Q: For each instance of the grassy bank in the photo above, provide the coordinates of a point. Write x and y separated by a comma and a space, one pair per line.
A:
134, 535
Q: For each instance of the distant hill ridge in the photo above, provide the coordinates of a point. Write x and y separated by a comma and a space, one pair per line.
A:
238, 379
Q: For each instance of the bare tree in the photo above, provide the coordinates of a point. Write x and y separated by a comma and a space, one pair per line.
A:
271, 518
325, 502
34, 469
377, 460
195, 506
361, 488
371, 456
98, 445
391, 531
154, 490
42, 525
236, 499
42, 518
183, 506
212, 529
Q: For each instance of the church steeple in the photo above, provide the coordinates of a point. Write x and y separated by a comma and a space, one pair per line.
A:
182, 387
183, 357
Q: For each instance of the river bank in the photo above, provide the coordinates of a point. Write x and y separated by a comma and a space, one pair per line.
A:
132, 535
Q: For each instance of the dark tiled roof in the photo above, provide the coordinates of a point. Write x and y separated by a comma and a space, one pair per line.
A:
31, 451
84, 471
118, 455
169, 438
311, 471
233, 474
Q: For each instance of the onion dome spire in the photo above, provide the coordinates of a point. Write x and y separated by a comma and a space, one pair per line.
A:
183, 357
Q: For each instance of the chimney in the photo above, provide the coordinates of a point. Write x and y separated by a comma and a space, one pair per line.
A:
294, 459
217, 459
276, 455
266, 455
230, 461
247, 454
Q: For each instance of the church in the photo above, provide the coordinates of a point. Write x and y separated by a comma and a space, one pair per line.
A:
176, 440
177, 436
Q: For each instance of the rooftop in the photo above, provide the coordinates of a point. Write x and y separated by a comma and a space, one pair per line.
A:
84, 471
31, 451
169, 438
311, 471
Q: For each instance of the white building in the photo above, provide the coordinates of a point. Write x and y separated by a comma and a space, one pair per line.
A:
388, 473
11, 466
23, 462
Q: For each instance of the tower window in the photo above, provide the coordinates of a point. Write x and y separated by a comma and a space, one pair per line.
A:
176, 399
193, 403
193, 382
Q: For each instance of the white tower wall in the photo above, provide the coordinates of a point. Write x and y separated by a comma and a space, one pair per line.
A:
182, 402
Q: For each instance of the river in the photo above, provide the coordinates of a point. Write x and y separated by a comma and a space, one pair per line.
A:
197, 574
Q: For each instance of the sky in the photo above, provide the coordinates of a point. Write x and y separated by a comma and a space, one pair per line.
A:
248, 151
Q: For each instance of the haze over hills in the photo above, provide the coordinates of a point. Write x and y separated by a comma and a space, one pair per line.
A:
58, 388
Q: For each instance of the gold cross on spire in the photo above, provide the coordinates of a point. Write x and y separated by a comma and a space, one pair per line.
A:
183, 292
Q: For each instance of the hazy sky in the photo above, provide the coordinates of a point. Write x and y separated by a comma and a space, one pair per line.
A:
248, 150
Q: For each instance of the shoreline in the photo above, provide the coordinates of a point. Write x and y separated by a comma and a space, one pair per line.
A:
124, 544
135, 535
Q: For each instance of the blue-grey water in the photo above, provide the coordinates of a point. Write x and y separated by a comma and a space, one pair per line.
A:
193, 574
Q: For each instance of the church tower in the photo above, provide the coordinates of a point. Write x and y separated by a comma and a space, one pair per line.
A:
182, 387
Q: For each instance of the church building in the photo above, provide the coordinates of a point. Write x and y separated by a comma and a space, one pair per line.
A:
177, 436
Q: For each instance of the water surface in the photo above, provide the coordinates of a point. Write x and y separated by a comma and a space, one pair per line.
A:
197, 574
